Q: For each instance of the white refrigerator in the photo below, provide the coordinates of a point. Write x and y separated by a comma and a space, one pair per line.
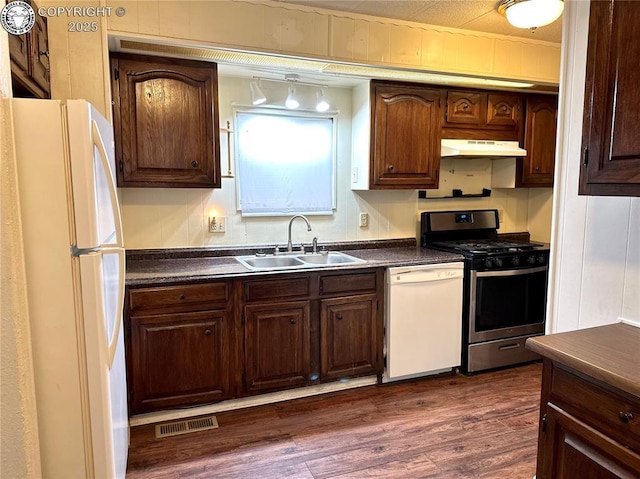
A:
74, 260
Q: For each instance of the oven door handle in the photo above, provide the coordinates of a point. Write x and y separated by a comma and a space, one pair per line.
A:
511, 272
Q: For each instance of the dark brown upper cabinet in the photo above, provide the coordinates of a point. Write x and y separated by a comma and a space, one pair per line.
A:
405, 136
482, 115
29, 54
165, 122
610, 163
536, 169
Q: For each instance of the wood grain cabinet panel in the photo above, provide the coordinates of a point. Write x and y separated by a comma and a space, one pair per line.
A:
588, 429
178, 360
29, 56
277, 345
504, 110
405, 136
348, 336
610, 163
537, 168
464, 108
165, 122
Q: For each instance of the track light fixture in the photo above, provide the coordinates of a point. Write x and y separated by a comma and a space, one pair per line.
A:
292, 101
257, 97
323, 104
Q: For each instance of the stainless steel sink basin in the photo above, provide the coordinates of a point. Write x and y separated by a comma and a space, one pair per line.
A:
270, 262
329, 258
296, 261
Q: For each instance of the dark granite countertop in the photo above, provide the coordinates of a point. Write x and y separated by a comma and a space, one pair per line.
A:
187, 265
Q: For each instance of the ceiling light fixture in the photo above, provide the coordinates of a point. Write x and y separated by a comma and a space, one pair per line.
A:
531, 14
257, 97
292, 101
323, 104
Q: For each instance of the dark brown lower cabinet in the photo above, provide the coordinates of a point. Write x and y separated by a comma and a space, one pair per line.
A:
277, 345
178, 359
575, 450
348, 336
588, 429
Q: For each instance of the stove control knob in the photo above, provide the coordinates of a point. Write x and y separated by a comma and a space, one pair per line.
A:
531, 259
541, 259
498, 262
488, 262
515, 261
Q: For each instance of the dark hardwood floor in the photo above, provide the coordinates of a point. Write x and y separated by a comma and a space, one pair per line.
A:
450, 427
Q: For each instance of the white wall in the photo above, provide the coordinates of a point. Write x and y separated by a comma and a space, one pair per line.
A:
595, 270
178, 217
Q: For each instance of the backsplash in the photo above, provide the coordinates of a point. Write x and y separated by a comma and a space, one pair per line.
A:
178, 217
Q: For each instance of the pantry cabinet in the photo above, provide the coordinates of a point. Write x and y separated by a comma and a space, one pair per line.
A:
165, 122
179, 345
610, 159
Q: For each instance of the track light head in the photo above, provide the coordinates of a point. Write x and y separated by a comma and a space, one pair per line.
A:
323, 104
257, 97
292, 101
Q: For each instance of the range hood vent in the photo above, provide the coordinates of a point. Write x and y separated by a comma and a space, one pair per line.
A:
480, 149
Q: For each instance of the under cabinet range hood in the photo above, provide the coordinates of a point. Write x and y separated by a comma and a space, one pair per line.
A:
480, 149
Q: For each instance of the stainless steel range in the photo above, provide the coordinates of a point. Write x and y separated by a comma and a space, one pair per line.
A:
505, 286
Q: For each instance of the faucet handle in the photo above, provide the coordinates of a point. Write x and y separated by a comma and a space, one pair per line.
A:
276, 250
315, 244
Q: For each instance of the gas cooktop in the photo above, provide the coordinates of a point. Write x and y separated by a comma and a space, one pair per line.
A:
480, 246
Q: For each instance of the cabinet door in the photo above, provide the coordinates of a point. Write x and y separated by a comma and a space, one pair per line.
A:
40, 54
166, 122
178, 360
503, 110
610, 141
571, 449
464, 108
19, 51
405, 137
277, 345
539, 141
348, 336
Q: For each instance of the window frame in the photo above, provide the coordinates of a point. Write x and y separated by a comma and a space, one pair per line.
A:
284, 112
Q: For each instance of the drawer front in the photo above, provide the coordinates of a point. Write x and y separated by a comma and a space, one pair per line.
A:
614, 415
213, 295
347, 283
277, 288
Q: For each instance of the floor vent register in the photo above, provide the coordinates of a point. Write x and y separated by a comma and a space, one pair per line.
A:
184, 427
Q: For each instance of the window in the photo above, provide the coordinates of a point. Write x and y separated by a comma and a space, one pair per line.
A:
285, 162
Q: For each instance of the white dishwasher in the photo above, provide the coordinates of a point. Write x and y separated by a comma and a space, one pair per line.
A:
423, 330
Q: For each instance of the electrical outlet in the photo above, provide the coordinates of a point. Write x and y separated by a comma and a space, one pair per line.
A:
363, 219
217, 224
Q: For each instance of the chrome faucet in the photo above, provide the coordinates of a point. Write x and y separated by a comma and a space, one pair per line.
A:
289, 244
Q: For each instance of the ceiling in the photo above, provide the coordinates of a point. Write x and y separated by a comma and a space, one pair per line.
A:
478, 15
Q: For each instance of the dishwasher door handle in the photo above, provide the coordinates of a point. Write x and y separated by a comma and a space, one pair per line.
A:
425, 276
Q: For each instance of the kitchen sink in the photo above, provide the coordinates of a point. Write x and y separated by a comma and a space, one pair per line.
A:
296, 261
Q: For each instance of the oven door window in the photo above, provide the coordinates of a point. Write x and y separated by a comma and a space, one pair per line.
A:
508, 299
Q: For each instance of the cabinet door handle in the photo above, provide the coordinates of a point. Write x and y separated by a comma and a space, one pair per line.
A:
293, 321
183, 296
207, 332
390, 168
44, 54
194, 163
339, 316
537, 168
625, 417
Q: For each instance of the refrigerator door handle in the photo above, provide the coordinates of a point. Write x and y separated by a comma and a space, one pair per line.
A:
99, 144
112, 346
